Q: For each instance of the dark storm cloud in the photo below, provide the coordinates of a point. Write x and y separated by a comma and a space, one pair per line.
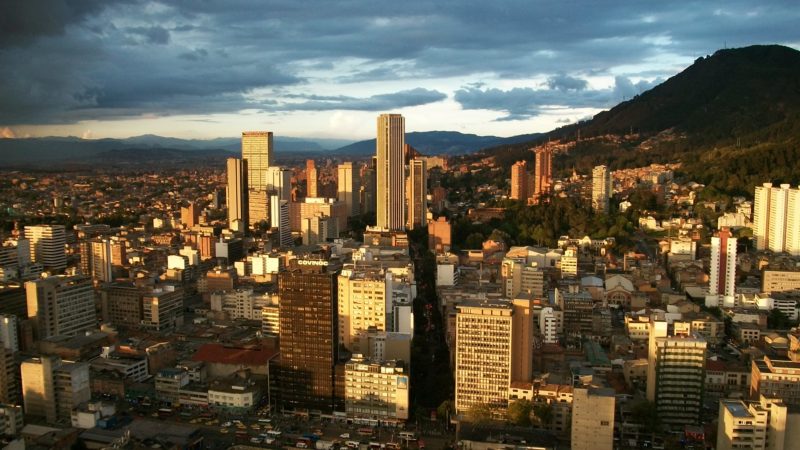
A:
68, 60
380, 102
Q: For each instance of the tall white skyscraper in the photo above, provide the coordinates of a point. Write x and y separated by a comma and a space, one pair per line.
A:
47, 245
776, 218
601, 188
257, 151
348, 188
237, 193
101, 260
390, 172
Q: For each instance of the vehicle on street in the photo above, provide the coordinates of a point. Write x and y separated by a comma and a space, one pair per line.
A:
301, 444
344, 436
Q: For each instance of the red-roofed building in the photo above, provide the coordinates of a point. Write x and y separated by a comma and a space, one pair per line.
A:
224, 360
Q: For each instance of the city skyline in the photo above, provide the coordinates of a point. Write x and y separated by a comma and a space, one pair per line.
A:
212, 70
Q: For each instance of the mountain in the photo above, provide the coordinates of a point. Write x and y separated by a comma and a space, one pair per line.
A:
736, 111
439, 142
38, 151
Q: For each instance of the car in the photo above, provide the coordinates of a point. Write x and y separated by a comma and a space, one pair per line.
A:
227, 424
223, 430
344, 436
301, 444
255, 426
255, 440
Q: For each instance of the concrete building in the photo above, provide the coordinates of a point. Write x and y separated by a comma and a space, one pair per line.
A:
376, 391
483, 355
417, 193
317, 229
348, 186
759, 425
722, 280
780, 280
9, 332
9, 378
190, 215
363, 304
162, 308
519, 181
237, 194
439, 235
390, 175
121, 304
101, 260
593, 419
313, 206
257, 207
51, 388
11, 420
47, 244
312, 179
522, 342
675, 374
602, 189
61, 305
550, 325
279, 182
775, 378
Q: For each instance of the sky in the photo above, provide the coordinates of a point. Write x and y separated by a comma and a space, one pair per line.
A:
213, 68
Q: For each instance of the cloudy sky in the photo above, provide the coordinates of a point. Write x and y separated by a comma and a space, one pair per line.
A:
210, 68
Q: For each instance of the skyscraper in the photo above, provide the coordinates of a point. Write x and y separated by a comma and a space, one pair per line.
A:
257, 151
312, 179
347, 188
52, 388
308, 338
543, 178
47, 245
483, 355
776, 218
601, 188
190, 215
519, 181
390, 167
722, 279
237, 195
417, 193
101, 260
362, 303
675, 374
61, 305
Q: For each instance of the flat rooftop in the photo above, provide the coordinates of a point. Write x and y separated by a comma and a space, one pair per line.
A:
736, 408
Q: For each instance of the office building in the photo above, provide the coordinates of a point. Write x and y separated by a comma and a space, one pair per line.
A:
11, 420
52, 388
543, 175
550, 324
592, 419
775, 378
722, 279
522, 343
376, 391
780, 280
312, 179
121, 304
317, 229
675, 374
100, 266
308, 338
483, 355
279, 182
348, 187
258, 207
311, 206
190, 215
390, 172
162, 308
369, 186
281, 221
601, 189
60, 305
237, 194
9, 332
439, 235
47, 245
9, 378
417, 193
776, 218
257, 152
362, 304
519, 181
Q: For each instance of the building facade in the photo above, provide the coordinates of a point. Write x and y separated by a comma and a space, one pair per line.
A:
390, 170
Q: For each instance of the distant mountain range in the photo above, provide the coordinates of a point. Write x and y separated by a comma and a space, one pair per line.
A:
440, 142
49, 150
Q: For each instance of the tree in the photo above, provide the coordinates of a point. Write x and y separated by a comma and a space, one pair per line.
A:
479, 413
474, 241
543, 413
444, 410
777, 320
519, 412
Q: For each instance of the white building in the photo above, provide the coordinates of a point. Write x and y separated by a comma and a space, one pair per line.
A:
47, 244
376, 391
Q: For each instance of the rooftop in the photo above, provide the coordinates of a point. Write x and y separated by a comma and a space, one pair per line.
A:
222, 354
736, 408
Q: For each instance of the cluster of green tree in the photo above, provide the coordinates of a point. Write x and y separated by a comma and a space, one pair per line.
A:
543, 224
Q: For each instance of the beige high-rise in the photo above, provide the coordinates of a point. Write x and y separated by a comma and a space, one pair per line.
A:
257, 151
417, 193
483, 355
390, 172
543, 178
593, 419
348, 187
601, 188
519, 180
